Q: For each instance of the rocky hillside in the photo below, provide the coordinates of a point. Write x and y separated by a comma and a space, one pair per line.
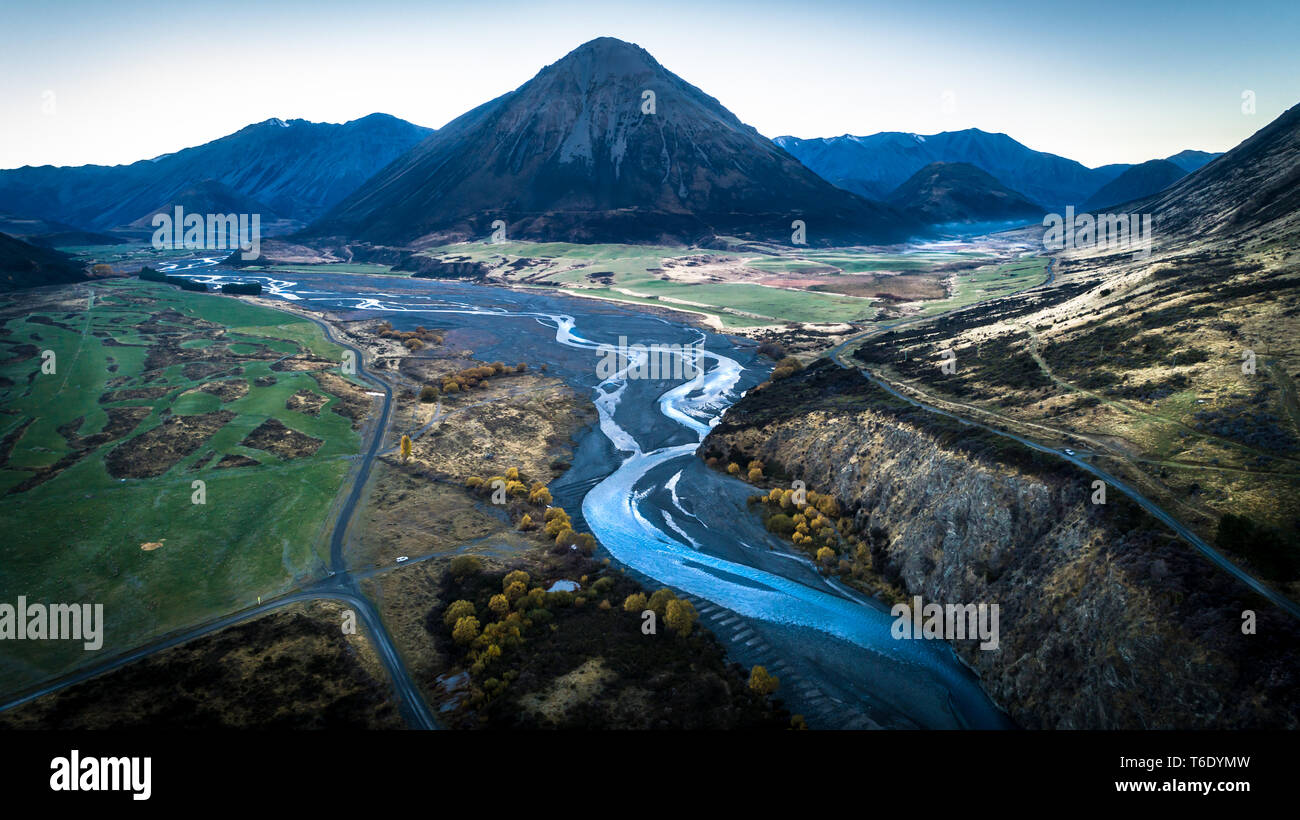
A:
1107, 619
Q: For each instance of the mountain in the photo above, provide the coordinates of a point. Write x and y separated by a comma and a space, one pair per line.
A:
1251, 193
50, 234
1191, 160
875, 165
570, 155
210, 197
297, 168
1141, 180
946, 192
23, 265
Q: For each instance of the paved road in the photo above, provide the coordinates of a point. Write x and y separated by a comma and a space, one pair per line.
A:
1215, 557
412, 702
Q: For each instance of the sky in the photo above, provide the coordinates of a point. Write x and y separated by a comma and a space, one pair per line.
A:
1098, 82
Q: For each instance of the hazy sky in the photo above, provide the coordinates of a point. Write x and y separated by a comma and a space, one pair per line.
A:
1100, 82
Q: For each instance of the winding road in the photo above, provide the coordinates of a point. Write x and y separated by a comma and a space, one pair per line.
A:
1215, 557
339, 585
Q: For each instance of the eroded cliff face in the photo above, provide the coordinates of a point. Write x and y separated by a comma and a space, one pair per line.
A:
1107, 620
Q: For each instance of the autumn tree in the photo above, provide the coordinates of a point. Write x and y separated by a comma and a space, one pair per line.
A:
457, 610
406, 448
681, 616
465, 630
566, 538
762, 682
659, 601
635, 602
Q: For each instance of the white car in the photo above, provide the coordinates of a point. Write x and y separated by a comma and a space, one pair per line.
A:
1068, 451
402, 558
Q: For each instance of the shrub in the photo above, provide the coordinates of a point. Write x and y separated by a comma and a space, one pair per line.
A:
428, 393
463, 565
781, 524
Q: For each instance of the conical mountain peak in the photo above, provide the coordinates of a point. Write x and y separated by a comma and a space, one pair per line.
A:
604, 144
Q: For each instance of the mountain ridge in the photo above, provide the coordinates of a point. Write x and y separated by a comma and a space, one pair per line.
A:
876, 164
604, 144
296, 167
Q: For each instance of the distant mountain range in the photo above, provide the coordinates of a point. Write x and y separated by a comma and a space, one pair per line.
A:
1141, 180
605, 145
294, 169
875, 165
954, 192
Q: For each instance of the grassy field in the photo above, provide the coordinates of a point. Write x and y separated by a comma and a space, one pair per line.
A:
77, 534
992, 281
728, 285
